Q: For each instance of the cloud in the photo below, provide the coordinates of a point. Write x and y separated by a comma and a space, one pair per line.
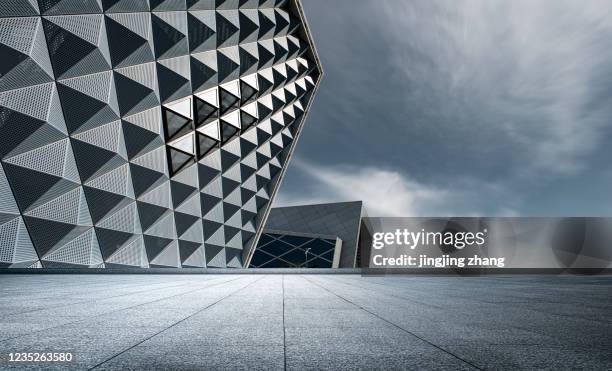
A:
478, 107
384, 192
533, 75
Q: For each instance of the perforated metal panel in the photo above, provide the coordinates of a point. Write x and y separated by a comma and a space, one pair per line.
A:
146, 133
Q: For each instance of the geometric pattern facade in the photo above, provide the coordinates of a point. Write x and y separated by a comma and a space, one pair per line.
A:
146, 133
289, 250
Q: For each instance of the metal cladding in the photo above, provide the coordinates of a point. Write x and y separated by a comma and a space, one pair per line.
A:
146, 133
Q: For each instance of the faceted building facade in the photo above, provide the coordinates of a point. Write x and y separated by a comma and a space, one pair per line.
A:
146, 133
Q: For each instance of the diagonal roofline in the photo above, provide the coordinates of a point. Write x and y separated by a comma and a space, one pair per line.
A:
318, 204
297, 10
296, 7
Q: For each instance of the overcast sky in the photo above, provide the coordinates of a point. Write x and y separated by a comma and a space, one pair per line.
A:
459, 107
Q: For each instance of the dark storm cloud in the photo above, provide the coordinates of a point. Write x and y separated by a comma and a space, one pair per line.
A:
486, 107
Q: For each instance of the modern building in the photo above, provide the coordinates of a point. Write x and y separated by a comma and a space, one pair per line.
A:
311, 236
282, 249
146, 133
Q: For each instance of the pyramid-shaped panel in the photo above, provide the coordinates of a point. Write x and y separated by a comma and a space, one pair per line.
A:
52, 7
78, 44
125, 6
202, 30
170, 34
30, 117
89, 101
25, 57
130, 38
137, 88
19, 8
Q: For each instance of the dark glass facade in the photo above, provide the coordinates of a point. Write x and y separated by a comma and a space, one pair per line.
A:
277, 250
341, 220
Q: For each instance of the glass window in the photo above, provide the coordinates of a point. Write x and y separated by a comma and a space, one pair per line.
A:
259, 258
296, 240
176, 125
276, 248
205, 145
277, 263
228, 100
178, 160
317, 246
318, 263
205, 112
295, 256
264, 239
328, 255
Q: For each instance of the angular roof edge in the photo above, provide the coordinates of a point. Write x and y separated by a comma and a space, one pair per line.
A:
295, 7
319, 204
298, 9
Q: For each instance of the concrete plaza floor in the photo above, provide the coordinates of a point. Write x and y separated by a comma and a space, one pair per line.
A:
301, 322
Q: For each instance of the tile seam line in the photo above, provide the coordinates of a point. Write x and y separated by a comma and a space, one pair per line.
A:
593, 321
98, 300
395, 325
93, 301
119, 310
561, 315
344, 282
403, 299
176, 323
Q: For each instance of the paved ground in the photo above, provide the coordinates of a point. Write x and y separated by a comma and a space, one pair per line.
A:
300, 322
